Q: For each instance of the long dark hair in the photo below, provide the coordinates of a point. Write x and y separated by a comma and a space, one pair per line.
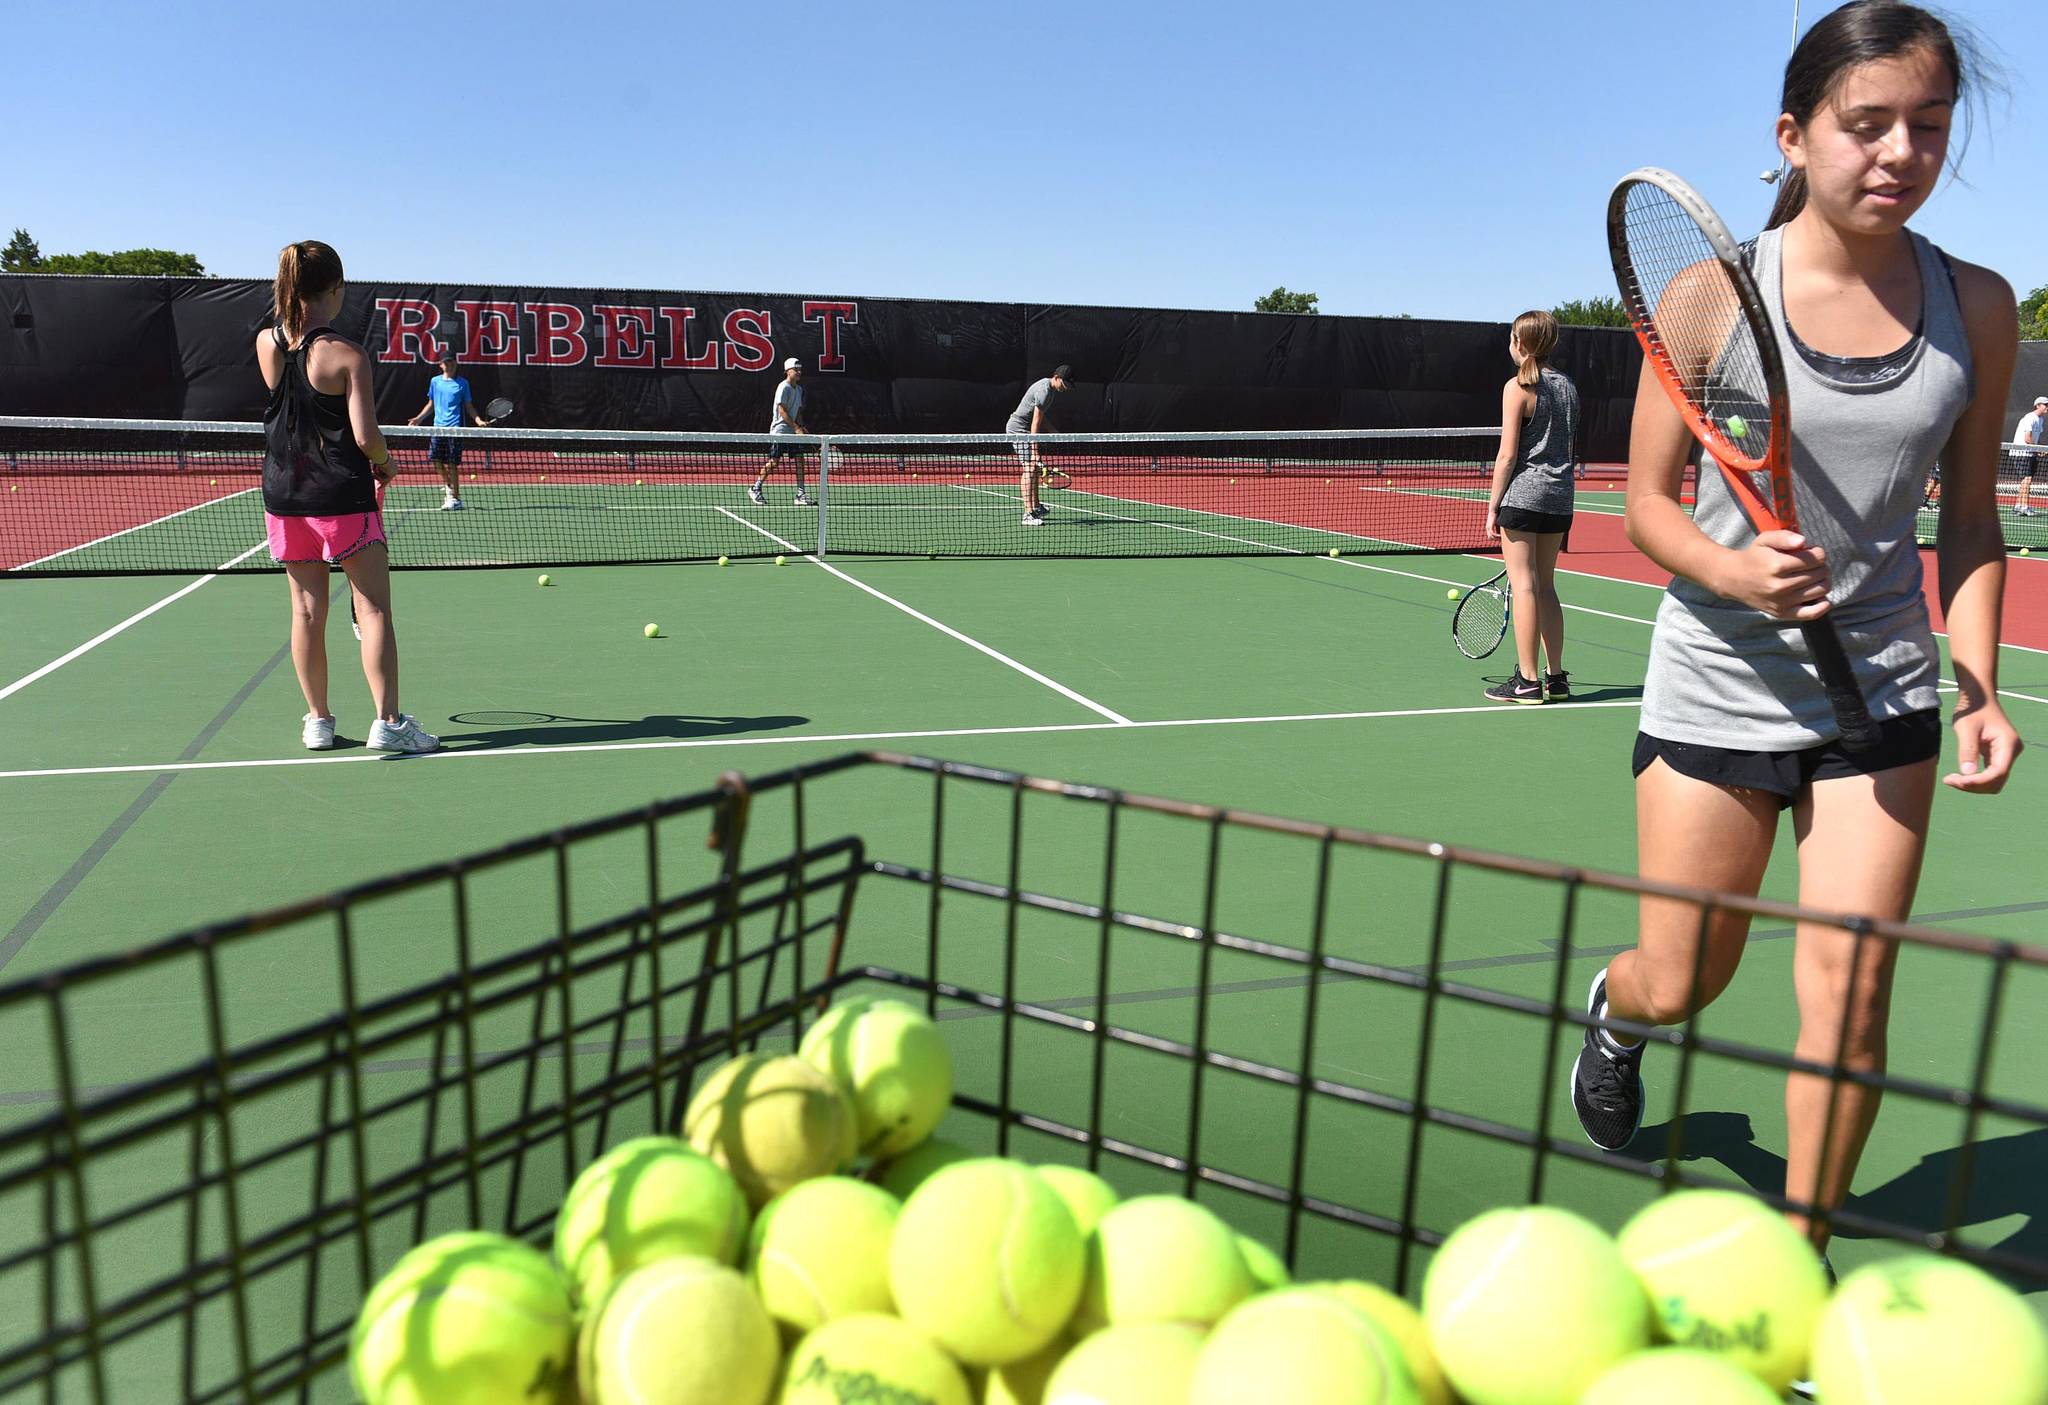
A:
1863, 31
305, 270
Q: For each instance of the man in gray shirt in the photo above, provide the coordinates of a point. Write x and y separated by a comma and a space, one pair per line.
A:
1033, 415
786, 419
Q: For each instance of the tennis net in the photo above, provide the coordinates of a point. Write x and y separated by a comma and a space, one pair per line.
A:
119, 497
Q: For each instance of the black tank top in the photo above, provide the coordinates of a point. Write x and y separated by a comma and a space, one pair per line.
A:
312, 465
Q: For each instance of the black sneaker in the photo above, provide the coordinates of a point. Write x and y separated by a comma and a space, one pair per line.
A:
1607, 1083
1517, 689
1557, 687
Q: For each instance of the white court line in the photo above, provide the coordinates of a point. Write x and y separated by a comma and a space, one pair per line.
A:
1004, 659
138, 617
806, 739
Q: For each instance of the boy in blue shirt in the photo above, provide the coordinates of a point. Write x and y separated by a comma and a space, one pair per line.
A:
449, 404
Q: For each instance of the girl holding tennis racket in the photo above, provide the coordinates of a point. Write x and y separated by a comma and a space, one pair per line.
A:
1529, 508
324, 461
1893, 355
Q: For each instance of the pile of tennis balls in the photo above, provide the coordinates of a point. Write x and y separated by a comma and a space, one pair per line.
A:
743, 1264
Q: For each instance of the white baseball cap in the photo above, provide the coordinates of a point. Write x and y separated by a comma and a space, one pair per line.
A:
791, 364
2041, 399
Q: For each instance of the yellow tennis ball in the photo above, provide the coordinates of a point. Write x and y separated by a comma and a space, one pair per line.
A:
1452, 594
772, 1122
1300, 1346
1729, 1275
211, 481
1088, 1196
646, 1199
652, 631
892, 1063
1267, 1269
1139, 1364
1531, 1306
778, 560
2026, 551
987, 1260
725, 561
465, 1319
679, 1332
1923, 1328
870, 1357
1398, 1319
905, 1173
1160, 1258
1737, 426
547, 580
1675, 1374
1333, 553
820, 1251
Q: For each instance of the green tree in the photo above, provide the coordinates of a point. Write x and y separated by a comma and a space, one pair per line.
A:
21, 254
152, 263
2034, 315
1282, 300
1591, 312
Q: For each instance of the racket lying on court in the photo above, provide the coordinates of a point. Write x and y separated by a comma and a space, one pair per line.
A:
1481, 620
1702, 324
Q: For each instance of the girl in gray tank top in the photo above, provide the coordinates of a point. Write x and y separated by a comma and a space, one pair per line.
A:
1895, 355
1529, 508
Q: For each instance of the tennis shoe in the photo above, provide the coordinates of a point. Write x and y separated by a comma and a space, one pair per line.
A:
403, 736
2023, 511
754, 497
1041, 512
451, 503
1031, 521
802, 499
1557, 687
1526, 691
1607, 1080
317, 732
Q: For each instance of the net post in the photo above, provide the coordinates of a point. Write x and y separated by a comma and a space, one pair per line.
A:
825, 452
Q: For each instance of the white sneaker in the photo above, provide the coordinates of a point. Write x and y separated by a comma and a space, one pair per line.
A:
2023, 512
803, 500
754, 497
1031, 521
317, 732
402, 736
451, 503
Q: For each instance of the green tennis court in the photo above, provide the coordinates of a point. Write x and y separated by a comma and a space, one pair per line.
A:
149, 751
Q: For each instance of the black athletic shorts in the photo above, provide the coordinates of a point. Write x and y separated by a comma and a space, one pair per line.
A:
444, 448
1522, 519
1902, 741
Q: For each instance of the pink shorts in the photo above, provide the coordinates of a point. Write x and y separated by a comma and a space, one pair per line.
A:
329, 539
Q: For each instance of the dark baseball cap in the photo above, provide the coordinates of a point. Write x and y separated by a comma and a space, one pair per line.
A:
1065, 373
447, 355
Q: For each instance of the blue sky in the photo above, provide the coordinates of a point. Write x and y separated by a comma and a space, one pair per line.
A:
1442, 160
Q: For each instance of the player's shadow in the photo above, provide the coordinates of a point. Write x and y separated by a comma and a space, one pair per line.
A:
482, 730
2008, 1181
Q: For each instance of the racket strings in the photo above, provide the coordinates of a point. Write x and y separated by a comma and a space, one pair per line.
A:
1481, 621
1679, 290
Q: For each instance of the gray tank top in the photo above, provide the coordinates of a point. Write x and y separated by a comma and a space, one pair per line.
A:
1721, 674
1545, 459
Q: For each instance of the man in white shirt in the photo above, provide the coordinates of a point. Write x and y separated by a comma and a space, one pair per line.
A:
786, 419
2031, 430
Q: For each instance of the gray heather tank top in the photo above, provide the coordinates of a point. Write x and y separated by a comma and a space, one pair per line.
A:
1721, 674
1545, 458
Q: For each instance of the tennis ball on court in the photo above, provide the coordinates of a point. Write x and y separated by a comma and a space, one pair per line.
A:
1397, 1318
1729, 1275
1531, 1306
1333, 553
1088, 1196
1300, 1346
636, 482
1673, 1373
651, 630
211, 481
725, 561
1737, 426
772, 1122
2026, 551
872, 1357
547, 580
465, 1319
1451, 594
1923, 541
1267, 1269
892, 1064
679, 1332
820, 1251
1924, 1328
778, 560
646, 1199
1137, 1364
1160, 1258
987, 1260
914, 1167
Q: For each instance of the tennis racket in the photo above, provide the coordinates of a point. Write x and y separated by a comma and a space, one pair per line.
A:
1481, 620
1054, 477
497, 409
1702, 324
